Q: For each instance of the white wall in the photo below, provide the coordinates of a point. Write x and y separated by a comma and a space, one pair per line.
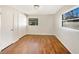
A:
22, 25
13, 23
0, 27
6, 26
0, 24
69, 37
45, 25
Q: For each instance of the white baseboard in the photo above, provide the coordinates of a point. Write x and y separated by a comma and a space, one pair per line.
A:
7, 43
63, 43
39, 34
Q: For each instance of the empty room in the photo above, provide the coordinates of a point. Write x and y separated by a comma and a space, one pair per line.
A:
39, 29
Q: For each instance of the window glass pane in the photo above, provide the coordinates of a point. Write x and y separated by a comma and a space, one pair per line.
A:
33, 21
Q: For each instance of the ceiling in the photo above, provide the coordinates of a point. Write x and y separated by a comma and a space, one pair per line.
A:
42, 10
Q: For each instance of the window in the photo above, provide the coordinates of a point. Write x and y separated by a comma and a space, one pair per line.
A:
33, 21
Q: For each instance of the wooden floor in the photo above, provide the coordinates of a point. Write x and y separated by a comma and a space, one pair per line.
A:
36, 44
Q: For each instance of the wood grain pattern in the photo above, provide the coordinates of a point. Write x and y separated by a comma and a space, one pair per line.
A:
36, 44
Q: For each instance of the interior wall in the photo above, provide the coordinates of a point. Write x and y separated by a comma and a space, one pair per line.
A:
45, 25
22, 25
0, 27
6, 26
13, 23
69, 37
